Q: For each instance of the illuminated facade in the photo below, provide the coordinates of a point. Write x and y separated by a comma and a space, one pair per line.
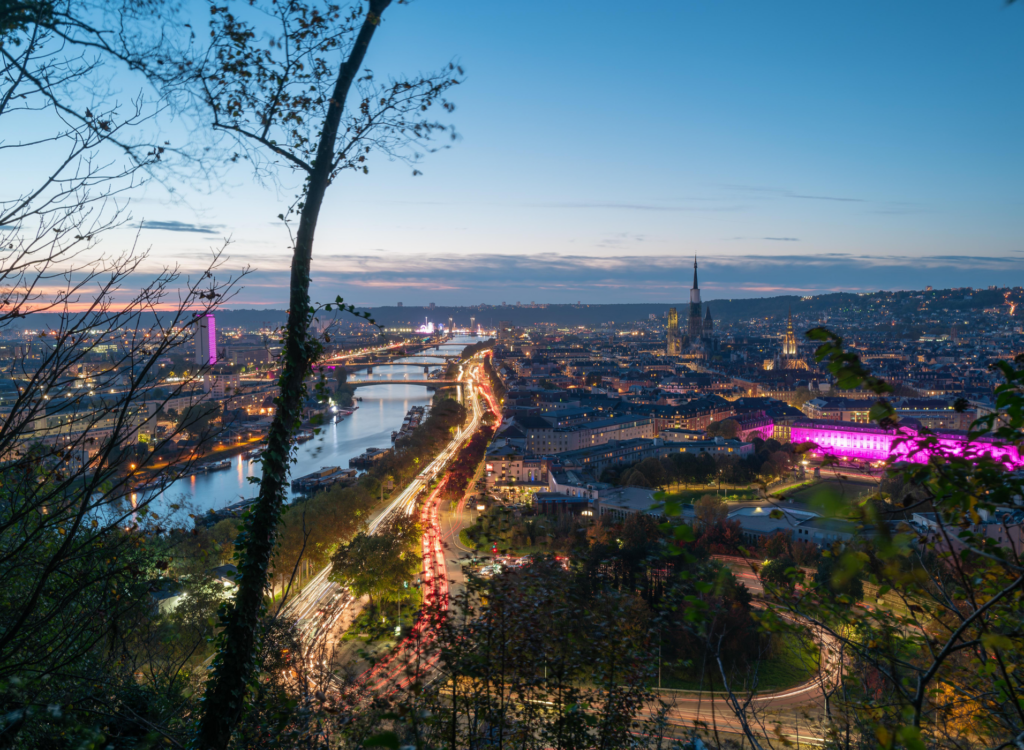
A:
789, 357
206, 341
869, 442
789, 350
673, 340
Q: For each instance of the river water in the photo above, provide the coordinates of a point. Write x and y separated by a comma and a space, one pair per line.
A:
381, 411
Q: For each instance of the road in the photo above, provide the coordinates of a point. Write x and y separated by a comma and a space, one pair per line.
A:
414, 656
322, 602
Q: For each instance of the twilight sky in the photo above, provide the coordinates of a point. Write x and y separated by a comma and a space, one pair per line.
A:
796, 146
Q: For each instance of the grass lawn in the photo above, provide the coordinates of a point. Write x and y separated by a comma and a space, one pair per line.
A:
689, 496
795, 664
846, 489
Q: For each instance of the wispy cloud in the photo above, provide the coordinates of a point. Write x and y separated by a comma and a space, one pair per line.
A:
771, 239
621, 240
384, 279
636, 207
181, 226
784, 193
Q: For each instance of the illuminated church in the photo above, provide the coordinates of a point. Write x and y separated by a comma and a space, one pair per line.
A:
699, 339
789, 357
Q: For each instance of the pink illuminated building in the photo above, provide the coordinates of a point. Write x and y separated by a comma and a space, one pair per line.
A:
869, 442
206, 341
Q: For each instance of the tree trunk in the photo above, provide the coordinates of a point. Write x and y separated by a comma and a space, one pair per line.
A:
235, 665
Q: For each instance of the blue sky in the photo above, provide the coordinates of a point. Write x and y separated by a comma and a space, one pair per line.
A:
795, 146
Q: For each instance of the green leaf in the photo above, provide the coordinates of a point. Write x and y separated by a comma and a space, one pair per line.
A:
996, 641
384, 739
911, 737
684, 533
880, 411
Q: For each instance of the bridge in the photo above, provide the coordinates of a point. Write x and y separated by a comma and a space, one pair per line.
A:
368, 366
400, 381
388, 356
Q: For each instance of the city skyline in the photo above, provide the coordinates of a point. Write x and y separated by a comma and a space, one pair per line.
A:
764, 140
678, 401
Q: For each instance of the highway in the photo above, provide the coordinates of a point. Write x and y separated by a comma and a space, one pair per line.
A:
322, 602
397, 669
319, 606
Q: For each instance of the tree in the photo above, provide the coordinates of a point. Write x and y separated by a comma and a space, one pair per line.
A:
710, 511
781, 572
284, 99
196, 419
634, 478
839, 579
78, 544
940, 640
726, 428
379, 566
522, 665
801, 396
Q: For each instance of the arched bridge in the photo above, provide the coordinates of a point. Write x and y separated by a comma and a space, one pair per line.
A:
401, 381
368, 366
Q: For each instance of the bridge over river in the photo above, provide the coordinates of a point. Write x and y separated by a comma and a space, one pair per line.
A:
401, 381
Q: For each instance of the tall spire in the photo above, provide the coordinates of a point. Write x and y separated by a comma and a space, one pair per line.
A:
695, 271
789, 328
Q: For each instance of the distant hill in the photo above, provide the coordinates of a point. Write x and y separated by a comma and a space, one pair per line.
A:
722, 310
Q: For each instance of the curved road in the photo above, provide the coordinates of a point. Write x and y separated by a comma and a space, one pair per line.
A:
322, 602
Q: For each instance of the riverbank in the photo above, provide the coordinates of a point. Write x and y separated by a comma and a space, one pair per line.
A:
382, 411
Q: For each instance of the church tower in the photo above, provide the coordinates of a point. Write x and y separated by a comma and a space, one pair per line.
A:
709, 324
789, 350
673, 341
696, 326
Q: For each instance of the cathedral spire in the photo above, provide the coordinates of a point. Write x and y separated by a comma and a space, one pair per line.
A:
695, 271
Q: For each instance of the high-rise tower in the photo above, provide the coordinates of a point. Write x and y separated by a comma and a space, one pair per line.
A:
206, 341
695, 328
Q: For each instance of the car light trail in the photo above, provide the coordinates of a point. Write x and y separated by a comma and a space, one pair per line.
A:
322, 602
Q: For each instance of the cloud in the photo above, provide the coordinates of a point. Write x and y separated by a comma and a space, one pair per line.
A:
621, 239
181, 226
635, 207
416, 279
824, 198
772, 239
784, 193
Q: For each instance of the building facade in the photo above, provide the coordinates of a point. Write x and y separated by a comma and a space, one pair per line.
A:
550, 440
870, 442
206, 340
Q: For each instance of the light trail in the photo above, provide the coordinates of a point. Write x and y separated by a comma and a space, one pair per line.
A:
393, 673
322, 602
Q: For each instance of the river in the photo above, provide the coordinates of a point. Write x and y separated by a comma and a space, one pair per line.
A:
381, 411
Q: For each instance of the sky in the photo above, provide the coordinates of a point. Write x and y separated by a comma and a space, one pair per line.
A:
793, 146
